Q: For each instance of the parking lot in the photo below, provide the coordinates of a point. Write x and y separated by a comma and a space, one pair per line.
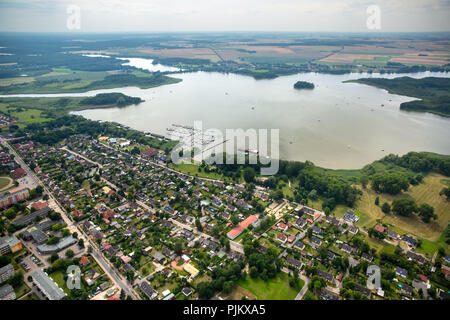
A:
27, 182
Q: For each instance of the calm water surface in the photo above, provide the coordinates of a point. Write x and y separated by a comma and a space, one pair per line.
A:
336, 125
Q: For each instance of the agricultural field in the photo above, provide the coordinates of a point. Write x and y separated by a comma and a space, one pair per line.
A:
191, 53
19, 80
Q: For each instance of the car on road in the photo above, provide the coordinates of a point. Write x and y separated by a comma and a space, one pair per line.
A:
25, 266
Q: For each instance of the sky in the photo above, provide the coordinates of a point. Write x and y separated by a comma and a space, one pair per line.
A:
224, 15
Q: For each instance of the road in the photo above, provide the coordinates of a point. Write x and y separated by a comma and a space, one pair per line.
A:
82, 157
305, 287
303, 290
67, 219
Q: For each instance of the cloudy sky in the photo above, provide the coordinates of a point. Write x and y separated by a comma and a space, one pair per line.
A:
224, 15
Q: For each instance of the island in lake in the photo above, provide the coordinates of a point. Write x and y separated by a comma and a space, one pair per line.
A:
303, 85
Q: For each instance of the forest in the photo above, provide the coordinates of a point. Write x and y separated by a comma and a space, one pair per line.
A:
433, 92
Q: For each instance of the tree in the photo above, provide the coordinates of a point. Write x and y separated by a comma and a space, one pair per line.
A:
249, 174
392, 183
445, 192
317, 283
16, 280
404, 207
198, 225
69, 253
303, 85
377, 201
53, 240
56, 227
54, 257
178, 247
10, 213
135, 150
313, 195
4, 260
205, 290
426, 212
228, 286
130, 275
276, 195
253, 272
364, 180
386, 208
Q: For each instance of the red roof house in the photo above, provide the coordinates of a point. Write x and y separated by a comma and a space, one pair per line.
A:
108, 214
84, 261
150, 152
282, 238
39, 205
18, 173
236, 231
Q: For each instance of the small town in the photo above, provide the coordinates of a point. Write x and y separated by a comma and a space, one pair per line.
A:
135, 228
256, 159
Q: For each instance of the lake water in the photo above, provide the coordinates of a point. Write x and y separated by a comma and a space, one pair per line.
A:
336, 125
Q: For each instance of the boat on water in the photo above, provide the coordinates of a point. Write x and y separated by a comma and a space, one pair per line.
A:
254, 151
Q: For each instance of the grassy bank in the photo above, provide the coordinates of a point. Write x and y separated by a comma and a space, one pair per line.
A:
63, 80
32, 110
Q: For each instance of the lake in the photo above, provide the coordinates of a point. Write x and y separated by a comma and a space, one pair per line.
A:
337, 125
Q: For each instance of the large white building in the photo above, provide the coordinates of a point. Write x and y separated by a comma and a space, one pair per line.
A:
47, 286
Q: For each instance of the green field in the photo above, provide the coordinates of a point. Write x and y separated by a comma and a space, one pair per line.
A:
32, 110
4, 182
273, 289
58, 277
64, 80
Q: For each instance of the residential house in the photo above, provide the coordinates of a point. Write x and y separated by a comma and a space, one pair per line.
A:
282, 238
158, 257
416, 257
401, 272
353, 230
327, 295
327, 276
294, 263
148, 290
363, 290
350, 216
